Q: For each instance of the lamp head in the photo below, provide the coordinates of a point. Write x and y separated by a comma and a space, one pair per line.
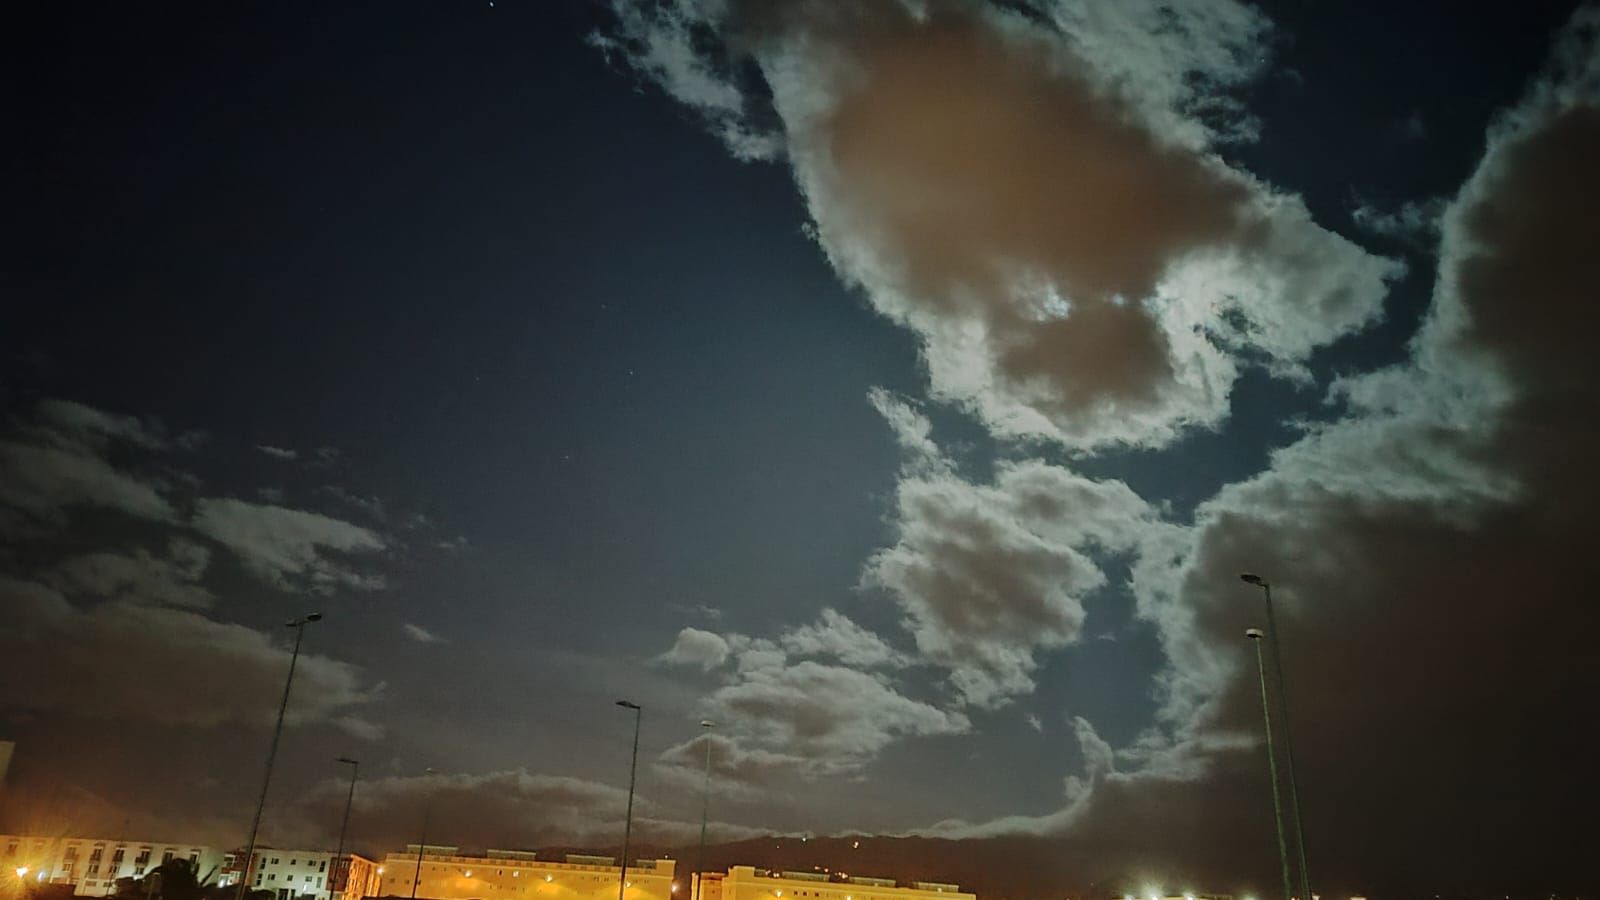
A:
1254, 634
627, 704
706, 723
1252, 578
347, 760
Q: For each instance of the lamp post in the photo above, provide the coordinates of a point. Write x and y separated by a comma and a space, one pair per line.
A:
1255, 635
705, 810
299, 626
422, 840
1288, 739
633, 771
344, 825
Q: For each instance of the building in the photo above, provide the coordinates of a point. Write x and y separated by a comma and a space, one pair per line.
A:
750, 883
292, 874
519, 875
93, 865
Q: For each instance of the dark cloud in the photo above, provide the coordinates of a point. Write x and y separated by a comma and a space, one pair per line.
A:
505, 808
138, 576
61, 460
122, 660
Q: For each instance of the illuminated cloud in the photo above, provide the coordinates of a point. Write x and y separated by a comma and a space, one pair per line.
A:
1426, 551
695, 647
421, 635
1076, 262
292, 549
987, 576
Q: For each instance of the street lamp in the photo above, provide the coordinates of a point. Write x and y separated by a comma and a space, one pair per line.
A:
344, 825
1288, 739
422, 841
299, 626
633, 771
705, 809
1255, 635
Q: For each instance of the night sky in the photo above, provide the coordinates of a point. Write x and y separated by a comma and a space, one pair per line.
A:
900, 385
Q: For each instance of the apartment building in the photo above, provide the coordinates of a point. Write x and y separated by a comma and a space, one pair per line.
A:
441, 873
93, 865
312, 874
751, 883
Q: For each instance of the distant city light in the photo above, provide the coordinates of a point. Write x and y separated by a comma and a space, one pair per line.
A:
468, 873
549, 878
22, 871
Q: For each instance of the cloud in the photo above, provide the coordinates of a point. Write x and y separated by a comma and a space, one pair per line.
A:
138, 576
63, 459
695, 647
421, 635
1415, 220
987, 576
278, 452
1034, 722
804, 704
290, 548
834, 719
506, 807
835, 636
738, 771
85, 425
1037, 204
1425, 551
121, 660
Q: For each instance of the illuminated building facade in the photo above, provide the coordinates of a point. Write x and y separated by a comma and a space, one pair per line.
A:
93, 865
291, 874
518, 875
750, 883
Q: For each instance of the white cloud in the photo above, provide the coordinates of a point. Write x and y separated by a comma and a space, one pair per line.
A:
421, 635
281, 453
835, 636
290, 548
837, 719
987, 576
695, 647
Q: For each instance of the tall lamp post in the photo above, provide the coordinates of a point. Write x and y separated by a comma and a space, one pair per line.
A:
299, 626
705, 810
344, 825
422, 840
633, 771
1288, 739
1255, 635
